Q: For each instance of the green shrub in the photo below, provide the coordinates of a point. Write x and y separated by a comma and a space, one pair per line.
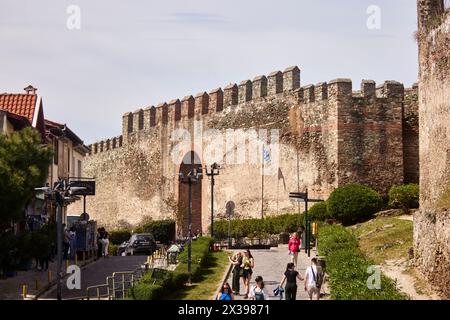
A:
347, 267
145, 291
353, 203
162, 230
199, 251
254, 228
404, 197
335, 237
118, 236
179, 278
318, 212
113, 249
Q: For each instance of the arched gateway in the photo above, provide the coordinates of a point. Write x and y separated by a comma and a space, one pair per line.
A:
190, 161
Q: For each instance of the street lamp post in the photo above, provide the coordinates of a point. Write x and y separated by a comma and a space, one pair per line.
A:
192, 178
59, 231
214, 172
60, 193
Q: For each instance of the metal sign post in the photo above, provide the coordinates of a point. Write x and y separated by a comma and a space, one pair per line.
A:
303, 197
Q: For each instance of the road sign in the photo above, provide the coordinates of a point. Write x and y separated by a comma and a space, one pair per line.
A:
303, 197
88, 185
298, 195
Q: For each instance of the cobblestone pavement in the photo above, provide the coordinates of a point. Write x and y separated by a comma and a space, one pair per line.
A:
96, 273
271, 265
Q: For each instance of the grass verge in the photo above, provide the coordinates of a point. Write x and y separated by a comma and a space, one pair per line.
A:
209, 279
384, 238
350, 270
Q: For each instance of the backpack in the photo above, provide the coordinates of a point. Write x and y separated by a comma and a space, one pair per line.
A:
319, 279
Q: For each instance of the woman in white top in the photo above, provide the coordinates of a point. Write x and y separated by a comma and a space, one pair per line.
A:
313, 280
258, 292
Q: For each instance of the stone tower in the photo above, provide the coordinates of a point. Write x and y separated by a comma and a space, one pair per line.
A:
432, 222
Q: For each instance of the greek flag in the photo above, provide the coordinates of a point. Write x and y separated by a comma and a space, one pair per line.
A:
266, 155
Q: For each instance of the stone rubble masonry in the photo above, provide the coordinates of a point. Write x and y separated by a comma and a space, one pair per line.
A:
329, 135
432, 222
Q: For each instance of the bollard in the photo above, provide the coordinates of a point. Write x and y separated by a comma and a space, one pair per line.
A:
49, 276
24, 291
76, 259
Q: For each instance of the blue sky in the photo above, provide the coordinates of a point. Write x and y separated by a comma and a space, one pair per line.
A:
133, 54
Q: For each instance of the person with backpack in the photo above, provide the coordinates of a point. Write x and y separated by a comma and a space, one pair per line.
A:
225, 293
294, 248
313, 280
236, 261
291, 276
259, 292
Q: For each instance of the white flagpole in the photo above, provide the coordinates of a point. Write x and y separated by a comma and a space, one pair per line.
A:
262, 185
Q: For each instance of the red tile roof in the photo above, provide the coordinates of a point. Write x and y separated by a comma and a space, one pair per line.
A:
17, 121
21, 104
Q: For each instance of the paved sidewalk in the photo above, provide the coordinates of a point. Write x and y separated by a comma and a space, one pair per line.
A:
271, 265
96, 273
11, 288
34, 279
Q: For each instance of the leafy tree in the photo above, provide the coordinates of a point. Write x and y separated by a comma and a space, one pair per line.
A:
24, 163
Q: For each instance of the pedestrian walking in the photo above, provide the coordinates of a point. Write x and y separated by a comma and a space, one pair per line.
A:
313, 280
248, 263
225, 293
72, 243
105, 239
66, 242
290, 277
259, 292
99, 243
294, 248
236, 261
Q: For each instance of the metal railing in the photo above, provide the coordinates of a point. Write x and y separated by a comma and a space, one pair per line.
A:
118, 284
98, 295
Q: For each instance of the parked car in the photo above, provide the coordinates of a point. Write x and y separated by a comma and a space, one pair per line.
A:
139, 243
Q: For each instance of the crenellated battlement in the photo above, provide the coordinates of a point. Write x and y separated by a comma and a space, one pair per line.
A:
277, 83
215, 101
106, 145
343, 88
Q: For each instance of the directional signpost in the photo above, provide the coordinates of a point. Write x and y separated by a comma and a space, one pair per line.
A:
303, 197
